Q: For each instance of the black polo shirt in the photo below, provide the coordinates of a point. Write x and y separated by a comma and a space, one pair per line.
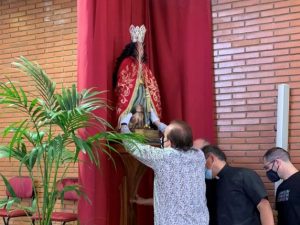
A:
288, 201
211, 200
239, 191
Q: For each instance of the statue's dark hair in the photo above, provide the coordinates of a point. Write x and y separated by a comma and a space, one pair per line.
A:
129, 51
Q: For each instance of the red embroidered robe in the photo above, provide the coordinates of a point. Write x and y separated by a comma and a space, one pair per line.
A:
128, 82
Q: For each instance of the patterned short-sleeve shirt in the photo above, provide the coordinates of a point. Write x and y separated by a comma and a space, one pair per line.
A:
179, 184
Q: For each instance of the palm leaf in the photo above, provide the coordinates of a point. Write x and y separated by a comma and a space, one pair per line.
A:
13, 199
67, 156
45, 86
18, 99
86, 147
18, 130
56, 148
33, 156
41, 142
90, 99
69, 188
7, 152
8, 186
34, 138
10, 96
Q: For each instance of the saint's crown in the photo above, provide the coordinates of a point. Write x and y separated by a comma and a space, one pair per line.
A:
137, 33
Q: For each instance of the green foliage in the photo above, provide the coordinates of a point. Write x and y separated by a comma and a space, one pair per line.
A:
43, 140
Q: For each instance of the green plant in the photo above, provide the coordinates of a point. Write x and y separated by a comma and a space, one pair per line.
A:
46, 140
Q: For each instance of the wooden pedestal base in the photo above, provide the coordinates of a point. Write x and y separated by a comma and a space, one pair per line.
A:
134, 171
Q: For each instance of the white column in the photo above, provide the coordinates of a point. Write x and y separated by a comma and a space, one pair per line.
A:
282, 134
283, 116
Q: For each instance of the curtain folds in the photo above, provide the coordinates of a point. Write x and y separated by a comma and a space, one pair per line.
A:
179, 48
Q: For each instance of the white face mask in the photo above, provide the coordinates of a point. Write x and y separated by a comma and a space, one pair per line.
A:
208, 174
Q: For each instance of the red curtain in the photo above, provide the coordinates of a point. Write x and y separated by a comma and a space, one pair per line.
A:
179, 48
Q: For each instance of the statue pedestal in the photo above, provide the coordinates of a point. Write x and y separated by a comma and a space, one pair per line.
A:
152, 136
134, 172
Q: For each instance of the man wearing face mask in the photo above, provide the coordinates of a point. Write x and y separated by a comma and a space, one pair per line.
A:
277, 163
241, 198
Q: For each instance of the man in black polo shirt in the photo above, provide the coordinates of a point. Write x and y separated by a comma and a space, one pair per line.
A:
277, 163
241, 198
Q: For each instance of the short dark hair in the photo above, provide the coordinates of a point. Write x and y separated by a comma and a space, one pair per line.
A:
277, 153
213, 149
180, 136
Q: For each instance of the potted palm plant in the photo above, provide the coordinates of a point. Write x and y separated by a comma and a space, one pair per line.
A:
46, 141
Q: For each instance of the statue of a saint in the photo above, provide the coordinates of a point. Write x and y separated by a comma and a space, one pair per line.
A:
135, 86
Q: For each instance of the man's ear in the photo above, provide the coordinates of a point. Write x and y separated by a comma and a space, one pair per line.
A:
171, 144
208, 155
278, 162
213, 157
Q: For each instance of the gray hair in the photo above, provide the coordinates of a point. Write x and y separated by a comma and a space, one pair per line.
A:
215, 150
277, 153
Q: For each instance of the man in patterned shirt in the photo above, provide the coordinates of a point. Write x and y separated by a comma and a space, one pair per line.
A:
179, 184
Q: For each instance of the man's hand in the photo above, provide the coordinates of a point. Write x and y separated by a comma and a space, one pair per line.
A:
265, 211
200, 143
142, 201
125, 119
124, 123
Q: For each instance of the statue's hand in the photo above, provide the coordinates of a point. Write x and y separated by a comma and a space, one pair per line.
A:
153, 117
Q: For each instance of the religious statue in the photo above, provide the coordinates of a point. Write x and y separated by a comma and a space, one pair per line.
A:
135, 86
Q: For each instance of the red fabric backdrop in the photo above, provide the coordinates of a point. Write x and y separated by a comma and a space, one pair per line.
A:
179, 48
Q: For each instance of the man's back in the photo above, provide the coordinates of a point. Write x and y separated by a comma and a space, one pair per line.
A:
179, 188
288, 201
239, 191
